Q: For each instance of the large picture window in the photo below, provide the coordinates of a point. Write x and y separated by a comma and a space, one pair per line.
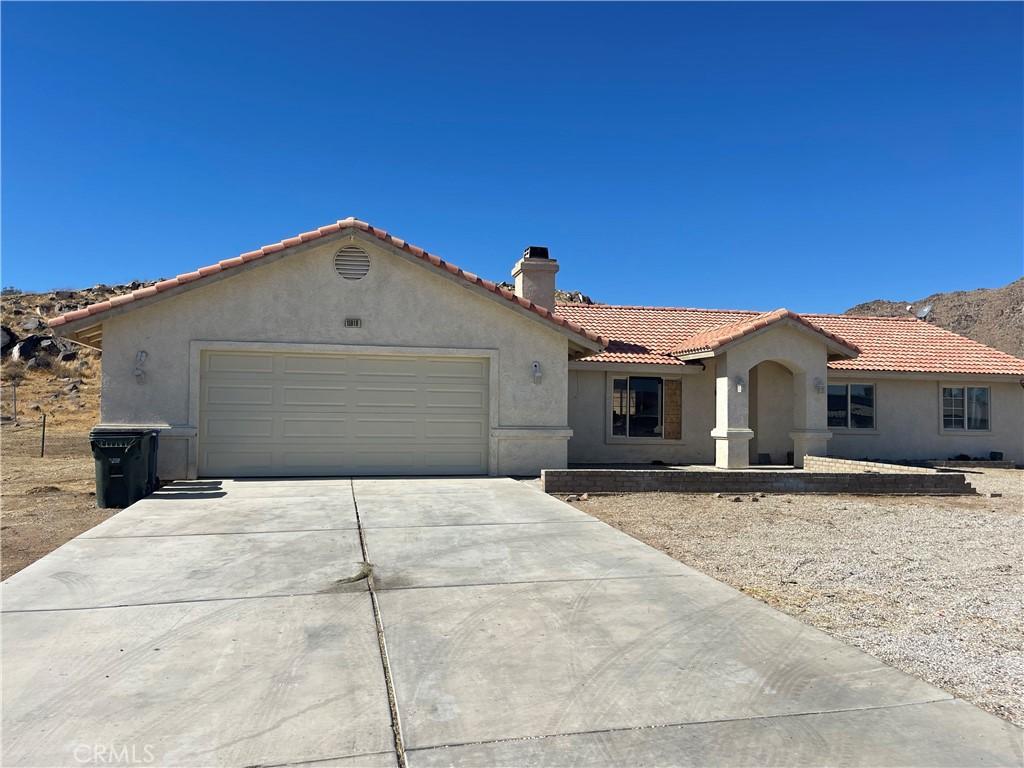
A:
965, 408
637, 407
851, 406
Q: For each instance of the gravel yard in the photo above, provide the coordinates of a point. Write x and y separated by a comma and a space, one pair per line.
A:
930, 585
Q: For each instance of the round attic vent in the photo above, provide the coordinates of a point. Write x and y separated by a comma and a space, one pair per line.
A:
352, 262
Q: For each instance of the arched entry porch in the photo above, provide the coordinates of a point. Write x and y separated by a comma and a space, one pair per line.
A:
771, 413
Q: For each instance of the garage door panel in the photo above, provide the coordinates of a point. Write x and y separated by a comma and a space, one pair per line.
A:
313, 428
238, 463
387, 397
306, 395
226, 362
440, 429
316, 365
329, 414
232, 394
464, 398
439, 459
455, 370
386, 429
389, 367
234, 427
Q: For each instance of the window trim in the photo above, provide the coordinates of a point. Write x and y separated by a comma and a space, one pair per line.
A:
964, 430
609, 438
848, 430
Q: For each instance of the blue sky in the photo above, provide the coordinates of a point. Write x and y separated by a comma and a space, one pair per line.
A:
723, 155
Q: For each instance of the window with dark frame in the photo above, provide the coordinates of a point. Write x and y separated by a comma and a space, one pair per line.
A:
966, 408
637, 406
851, 406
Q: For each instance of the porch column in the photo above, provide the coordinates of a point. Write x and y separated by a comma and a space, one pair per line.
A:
810, 415
732, 431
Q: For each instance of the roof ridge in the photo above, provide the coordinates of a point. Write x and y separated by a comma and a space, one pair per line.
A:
660, 309
751, 312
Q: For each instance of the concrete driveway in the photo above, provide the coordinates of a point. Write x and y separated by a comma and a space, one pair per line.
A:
224, 623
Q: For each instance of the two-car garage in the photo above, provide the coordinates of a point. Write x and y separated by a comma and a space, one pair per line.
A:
341, 351
280, 413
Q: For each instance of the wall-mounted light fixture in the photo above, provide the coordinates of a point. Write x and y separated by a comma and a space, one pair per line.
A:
140, 360
739, 383
819, 385
537, 373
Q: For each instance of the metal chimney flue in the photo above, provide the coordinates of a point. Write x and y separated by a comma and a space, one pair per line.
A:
535, 252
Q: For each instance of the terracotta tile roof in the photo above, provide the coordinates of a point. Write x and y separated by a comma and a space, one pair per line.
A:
720, 335
315, 234
901, 344
909, 344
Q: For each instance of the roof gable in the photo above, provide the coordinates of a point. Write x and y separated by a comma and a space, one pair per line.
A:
94, 313
720, 336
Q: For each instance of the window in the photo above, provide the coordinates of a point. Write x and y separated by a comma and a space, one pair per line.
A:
965, 408
851, 406
637, 407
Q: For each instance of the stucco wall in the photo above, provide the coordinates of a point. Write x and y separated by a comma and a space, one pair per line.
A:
588, 414
907, 417
907, 421
300, 299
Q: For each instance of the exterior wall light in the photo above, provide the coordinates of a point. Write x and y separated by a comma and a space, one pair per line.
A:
138, 373
537, 373
819, 385
739, 383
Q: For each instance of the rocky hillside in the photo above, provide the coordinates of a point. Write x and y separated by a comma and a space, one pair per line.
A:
48, 374
993, 316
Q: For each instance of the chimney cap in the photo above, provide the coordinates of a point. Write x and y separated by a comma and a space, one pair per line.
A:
535, 252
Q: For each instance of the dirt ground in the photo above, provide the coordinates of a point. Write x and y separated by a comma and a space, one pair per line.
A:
46, 501
930, 585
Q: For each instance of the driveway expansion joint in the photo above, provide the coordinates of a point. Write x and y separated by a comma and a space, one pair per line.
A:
184, 601
683, 724
538, 581
214, 533
396, 721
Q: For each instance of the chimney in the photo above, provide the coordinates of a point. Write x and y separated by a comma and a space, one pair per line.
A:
535, 276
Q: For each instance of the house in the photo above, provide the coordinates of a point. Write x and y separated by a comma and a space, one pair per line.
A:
346, 350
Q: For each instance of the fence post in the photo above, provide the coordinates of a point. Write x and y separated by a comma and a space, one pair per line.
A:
14, 390
42, 439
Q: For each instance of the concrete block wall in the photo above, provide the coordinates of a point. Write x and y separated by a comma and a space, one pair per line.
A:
686, 481
831, 464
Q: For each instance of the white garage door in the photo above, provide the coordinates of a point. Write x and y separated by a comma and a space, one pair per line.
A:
282, 413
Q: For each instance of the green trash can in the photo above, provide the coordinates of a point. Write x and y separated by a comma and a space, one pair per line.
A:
125, 465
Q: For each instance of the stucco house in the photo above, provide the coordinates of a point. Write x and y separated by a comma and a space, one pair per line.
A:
346, 350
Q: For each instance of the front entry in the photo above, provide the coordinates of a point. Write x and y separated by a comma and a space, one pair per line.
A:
771, 414
307, 414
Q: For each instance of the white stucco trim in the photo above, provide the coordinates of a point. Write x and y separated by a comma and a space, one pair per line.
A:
197, 347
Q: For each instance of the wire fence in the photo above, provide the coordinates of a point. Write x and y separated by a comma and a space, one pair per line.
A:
33, 439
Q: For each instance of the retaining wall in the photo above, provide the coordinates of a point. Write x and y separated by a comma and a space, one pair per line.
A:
696, 481
830, 464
